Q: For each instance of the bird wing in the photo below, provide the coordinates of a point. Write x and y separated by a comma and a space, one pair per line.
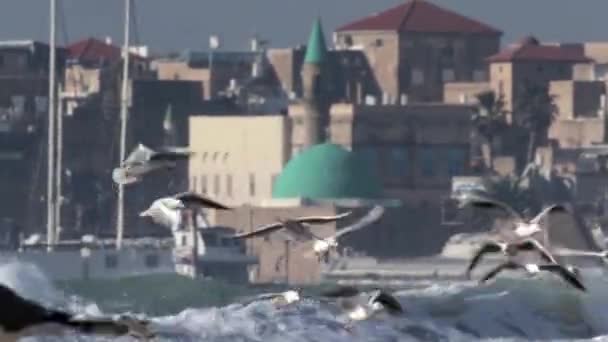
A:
534, 245
171, 154
140, 154
482, 202
190, 197
493, 272
371, 217
264, 230
565, 274
488, 247
322, 219
341, 291
389, 302
547, 211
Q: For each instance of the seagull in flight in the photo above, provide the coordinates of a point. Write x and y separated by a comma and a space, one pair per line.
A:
20, 317
509, 249
144, 160
297, 229
166, 211
523, 228
568, 274
322, 247
360, 306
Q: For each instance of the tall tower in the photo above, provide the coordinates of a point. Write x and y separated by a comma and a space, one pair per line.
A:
316, 99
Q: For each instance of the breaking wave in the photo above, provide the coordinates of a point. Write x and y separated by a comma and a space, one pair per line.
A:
510, 309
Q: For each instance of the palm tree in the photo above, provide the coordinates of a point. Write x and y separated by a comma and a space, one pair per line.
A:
490, 119
535, 111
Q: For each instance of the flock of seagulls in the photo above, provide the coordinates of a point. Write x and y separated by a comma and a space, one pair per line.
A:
28, 318
519, 244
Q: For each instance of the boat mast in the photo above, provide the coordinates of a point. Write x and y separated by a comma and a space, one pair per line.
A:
59, 164
50, 210
123, 124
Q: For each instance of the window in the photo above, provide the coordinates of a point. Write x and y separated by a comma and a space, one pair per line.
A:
204, 157
479, 75
152, 260
273, 180
398, 161
370, 155
184, 240
501, 87
417, 76
251, 184
229, 185
456, 161
426, 160
348, 40
378, 43
41, 104
111, 261
216, 184
193, 185
204, 184
447, 75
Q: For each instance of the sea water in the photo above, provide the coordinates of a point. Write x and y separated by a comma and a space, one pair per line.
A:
180, 309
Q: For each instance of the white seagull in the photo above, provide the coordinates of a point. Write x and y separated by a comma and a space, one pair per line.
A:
296, 229
509, 249
523, 228
322, 247
359, 306
280, 299
166, 211
144, 160
568, 274
20, 318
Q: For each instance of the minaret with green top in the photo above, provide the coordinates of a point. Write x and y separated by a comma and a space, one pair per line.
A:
315, 87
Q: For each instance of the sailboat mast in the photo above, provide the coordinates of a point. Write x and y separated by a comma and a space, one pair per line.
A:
59, 164
123, 124
50, 210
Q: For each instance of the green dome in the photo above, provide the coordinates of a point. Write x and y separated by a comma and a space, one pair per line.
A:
327, 171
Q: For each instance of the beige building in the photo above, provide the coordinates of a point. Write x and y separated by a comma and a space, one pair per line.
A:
415, 47
238, 157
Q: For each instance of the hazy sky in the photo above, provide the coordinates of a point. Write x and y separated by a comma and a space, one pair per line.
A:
167, 25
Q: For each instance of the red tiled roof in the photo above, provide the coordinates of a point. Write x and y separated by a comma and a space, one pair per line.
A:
529, 49
419, 16
94, 50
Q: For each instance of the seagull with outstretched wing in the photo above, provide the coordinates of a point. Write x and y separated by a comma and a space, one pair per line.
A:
143, 160
297, 229
166, 211
569, 275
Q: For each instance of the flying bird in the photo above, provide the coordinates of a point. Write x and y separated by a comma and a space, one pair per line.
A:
523, 228
322, 247
568, 274
509, 249
144, 160
296, 229
359, 306
21, 317
166, 211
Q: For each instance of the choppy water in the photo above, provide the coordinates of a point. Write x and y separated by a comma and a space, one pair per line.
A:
186, 310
